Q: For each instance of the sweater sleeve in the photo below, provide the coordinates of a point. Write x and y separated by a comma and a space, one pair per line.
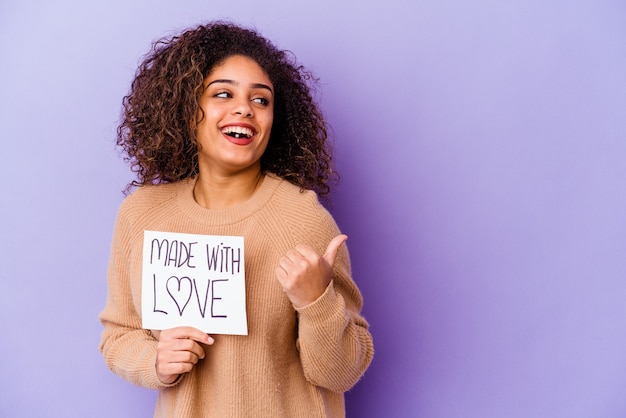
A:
129, 351
335, 344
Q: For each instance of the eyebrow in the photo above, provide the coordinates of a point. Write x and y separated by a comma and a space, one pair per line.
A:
236, 83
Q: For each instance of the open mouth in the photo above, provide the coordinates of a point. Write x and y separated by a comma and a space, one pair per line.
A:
238, 132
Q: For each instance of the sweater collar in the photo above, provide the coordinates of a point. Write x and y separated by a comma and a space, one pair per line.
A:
192, 209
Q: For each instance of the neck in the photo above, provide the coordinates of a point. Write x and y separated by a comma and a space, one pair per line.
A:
223, 192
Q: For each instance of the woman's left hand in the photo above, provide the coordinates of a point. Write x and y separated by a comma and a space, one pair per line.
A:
304, 274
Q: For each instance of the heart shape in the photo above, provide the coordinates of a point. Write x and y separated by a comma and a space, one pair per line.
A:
178, 294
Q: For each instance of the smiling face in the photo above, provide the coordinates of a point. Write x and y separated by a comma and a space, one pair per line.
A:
238, 107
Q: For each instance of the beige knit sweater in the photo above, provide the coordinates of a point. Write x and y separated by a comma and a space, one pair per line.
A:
292, 363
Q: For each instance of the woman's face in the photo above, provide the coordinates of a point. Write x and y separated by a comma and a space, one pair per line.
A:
238, 106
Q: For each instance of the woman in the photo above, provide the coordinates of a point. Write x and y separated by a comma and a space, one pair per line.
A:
222, 131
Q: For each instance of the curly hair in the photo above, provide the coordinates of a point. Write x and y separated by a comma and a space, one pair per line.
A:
158, 128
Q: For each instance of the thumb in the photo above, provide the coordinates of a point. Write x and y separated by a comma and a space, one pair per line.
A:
333, 247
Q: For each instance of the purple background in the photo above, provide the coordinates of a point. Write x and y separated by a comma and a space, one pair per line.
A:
482, 146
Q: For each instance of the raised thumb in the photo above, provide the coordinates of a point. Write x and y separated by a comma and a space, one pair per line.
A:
333, 248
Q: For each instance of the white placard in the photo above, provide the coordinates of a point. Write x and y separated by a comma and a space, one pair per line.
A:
194, 280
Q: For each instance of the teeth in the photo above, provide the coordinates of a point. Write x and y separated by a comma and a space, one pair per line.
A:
238, 131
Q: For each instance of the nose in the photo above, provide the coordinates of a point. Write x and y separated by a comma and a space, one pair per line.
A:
242, 107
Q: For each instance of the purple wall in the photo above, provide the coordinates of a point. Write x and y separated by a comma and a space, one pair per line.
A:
483, 153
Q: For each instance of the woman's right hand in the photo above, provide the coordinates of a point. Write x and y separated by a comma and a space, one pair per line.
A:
178, 350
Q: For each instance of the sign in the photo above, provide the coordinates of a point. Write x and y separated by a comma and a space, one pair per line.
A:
194, 280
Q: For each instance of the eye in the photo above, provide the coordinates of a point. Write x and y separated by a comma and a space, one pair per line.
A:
261, 100
223, 95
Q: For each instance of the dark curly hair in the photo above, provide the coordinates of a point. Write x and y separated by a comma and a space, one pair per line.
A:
158, 127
